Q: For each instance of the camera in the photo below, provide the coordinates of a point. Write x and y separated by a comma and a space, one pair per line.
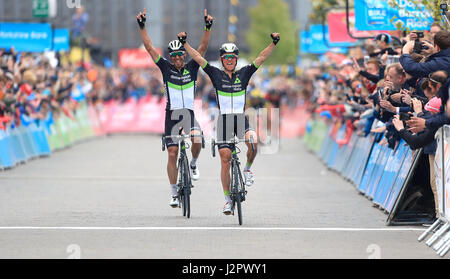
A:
392, 91
424, 100
418, 45
405, 116
444, 9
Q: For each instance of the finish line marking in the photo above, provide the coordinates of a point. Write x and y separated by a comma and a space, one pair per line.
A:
212, 229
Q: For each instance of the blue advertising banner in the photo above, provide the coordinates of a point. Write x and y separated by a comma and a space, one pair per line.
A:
32, 37
305, 41
377, 15
313, 41
61, 40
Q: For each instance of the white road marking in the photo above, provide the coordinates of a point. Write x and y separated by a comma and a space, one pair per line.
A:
215, 229
143, 178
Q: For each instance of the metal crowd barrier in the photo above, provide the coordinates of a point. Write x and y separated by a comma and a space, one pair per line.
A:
439, 233
39, 139
380, 173
376, 171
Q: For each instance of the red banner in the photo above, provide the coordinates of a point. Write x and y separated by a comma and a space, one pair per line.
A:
293, 122
136, 58
148, 115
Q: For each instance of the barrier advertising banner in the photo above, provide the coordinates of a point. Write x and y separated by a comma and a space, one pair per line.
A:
32, 37
61, 40
379, 15
135, 58
442, 172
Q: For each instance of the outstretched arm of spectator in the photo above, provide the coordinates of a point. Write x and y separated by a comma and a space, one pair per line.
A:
437, 121
417, 69
142, 18
414, 141
372, 78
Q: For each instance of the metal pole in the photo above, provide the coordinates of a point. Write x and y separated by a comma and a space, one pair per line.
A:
442, 205
348, 26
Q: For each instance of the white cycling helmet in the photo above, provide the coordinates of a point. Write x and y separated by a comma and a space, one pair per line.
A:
175, 45
229, 48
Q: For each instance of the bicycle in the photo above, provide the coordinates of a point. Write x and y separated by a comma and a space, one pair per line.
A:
184, 185
237, 187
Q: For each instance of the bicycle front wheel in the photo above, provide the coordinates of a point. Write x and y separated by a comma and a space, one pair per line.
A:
181, 192
187, 203
187, 188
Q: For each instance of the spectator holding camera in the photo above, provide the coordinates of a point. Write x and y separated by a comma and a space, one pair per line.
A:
438, 84
438, 60
425, 138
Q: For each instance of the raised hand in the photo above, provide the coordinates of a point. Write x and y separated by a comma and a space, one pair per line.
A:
208, 21
416, 124
356, 65
141, 19
275, 38
182, 37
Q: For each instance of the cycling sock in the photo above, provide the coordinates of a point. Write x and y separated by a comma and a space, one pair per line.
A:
247, 166
227, 196
174, 190
194, 162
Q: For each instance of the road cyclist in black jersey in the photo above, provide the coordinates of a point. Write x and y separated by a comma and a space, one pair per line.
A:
179, 80
231, 91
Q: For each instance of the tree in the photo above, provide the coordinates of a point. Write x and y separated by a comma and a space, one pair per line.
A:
319, 6
267, 17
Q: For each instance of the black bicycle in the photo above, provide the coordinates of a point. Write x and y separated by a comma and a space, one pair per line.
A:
184, 185
237, 187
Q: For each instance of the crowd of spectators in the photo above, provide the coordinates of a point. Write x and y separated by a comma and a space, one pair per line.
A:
398, 88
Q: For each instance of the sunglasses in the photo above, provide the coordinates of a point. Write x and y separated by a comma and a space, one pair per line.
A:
229, 56
178, 53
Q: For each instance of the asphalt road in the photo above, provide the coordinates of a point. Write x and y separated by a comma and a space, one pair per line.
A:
108, 198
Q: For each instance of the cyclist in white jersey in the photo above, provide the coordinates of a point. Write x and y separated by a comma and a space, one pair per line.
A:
180, 84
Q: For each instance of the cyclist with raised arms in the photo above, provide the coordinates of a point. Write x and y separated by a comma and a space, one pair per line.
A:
180, 84
231, 90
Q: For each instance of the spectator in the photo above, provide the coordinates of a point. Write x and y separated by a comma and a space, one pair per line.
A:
438, 83
79, 22
434, 29
424, 139
383, 42
439, 60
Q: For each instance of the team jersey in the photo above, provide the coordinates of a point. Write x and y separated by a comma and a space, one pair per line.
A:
230, 93
179, 85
